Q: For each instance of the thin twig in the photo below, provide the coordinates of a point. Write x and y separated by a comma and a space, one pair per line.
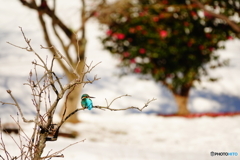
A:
108, 107
57, 154
62, 57
65, 105
18, 107
72, 113
49, 81
25, 48
8, 155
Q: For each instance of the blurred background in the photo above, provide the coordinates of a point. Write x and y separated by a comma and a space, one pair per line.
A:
180, 53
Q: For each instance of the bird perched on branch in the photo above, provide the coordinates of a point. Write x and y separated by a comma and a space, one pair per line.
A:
86, 101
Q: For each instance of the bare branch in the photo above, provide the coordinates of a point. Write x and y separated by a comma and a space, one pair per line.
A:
42, 87
65, 107
25, 48
89, 69
3, 146
49, 42
57, 154
30, 48
65, 47
108, 107
18, 107
3, 103
79, 109
60, 56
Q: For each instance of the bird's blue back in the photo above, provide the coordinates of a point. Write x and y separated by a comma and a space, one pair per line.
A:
87, 103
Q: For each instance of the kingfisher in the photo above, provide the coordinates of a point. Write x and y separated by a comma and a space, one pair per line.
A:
86, 101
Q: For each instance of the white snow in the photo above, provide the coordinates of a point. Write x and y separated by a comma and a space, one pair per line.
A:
147, 137
123, 135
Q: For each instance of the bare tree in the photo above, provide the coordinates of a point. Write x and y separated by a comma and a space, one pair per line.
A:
67, 38
47, 90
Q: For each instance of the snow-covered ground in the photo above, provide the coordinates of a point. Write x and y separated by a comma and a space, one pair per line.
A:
147, 137
124, 135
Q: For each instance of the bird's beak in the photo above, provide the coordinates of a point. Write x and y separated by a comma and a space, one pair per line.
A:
91, 97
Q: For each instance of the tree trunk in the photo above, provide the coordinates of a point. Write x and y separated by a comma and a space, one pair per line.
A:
182, 104
40, 146
181, 98
73, 98
72, 105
